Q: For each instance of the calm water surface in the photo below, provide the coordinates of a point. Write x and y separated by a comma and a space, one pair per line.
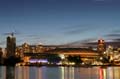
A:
59, 73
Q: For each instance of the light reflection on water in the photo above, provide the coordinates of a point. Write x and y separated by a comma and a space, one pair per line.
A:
25, 72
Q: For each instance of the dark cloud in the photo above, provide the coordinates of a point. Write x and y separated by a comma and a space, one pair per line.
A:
75, 26
78, 29
113, 35
116, 31
80, 42
116, 40
37, 36
92, 42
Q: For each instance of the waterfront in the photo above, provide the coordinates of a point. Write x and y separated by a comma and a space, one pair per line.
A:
25, 72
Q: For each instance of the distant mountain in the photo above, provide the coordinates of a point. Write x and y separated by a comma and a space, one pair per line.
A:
113, 42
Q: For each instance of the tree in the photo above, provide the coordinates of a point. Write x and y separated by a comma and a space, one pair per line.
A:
12, 60
53, 58
75, 59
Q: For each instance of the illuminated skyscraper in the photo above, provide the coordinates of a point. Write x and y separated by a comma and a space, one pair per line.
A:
11, 45
101, 46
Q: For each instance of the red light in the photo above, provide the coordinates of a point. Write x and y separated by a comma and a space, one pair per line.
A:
100, 73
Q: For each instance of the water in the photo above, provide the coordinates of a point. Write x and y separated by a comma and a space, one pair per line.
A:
24, 72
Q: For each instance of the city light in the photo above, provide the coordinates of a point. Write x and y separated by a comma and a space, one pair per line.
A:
62, 56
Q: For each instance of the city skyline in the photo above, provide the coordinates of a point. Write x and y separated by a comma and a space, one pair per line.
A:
59, 21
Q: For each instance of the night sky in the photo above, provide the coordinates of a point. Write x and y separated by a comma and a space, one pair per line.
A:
59, 21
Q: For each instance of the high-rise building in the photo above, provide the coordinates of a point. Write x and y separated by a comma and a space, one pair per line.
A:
101, 46
1, 56
11, 45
